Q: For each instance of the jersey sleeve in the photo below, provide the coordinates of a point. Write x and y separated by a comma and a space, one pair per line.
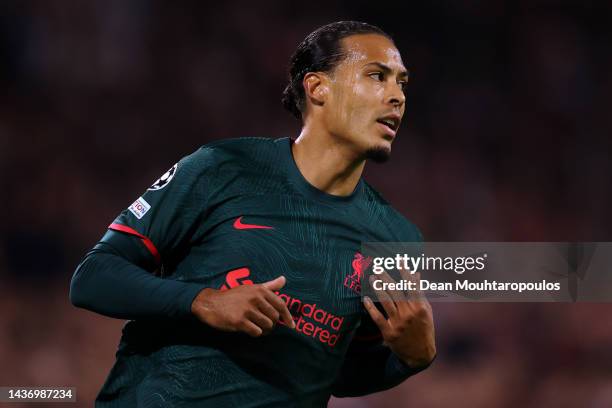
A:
369, 365
115, 279
166, 217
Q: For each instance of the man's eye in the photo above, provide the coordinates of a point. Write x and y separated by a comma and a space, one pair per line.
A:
378, 76
403, 85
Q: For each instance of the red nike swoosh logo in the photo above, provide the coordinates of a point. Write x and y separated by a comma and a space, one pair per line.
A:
239, 225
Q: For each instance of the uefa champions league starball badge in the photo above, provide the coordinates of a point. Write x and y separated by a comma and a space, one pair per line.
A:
164, 179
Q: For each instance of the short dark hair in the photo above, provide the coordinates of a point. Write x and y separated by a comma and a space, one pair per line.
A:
320, 51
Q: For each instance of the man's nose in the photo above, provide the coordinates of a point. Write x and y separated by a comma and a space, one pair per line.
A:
396, 96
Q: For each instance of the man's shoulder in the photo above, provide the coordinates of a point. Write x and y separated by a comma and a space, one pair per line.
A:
240, 151
246, 147
233, 153
238, 143
404, 229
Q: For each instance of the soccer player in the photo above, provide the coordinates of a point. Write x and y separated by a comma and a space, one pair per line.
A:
239, 269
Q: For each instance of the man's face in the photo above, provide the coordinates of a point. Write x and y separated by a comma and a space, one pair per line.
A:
366, 89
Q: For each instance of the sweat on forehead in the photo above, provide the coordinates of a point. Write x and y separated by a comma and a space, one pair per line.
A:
371, 48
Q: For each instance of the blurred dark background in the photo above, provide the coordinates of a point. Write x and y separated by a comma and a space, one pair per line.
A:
506, 137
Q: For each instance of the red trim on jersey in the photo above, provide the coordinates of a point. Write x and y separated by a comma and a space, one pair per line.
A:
145, 240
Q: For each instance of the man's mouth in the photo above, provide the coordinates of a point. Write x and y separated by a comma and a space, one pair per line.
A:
390, 123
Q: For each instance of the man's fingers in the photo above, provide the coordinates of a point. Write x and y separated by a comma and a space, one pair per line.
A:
414, 294
276, 302
375, 314
251, 329
417, 294
262, 321
275, 284
385, 300
281, 307
397, 296
270, 311
406, 274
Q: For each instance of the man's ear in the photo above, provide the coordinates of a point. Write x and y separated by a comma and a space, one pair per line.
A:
316, 87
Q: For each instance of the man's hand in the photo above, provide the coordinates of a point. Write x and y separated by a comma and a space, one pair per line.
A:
409, 328
252, 309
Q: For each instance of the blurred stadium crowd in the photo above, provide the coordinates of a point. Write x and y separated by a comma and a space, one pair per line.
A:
506, 138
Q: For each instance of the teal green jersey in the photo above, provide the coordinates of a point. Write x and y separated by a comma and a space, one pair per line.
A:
239, 212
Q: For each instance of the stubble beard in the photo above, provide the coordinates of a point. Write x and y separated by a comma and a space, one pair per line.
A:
378, 154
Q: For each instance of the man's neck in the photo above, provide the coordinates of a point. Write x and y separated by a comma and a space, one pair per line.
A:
329, 165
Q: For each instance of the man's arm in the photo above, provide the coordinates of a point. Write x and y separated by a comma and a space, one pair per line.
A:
407, 326
116, 277
371, 367
112, 280
390, 347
